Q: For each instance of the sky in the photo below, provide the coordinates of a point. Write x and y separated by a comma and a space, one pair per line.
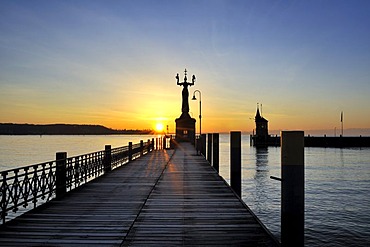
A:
114, 62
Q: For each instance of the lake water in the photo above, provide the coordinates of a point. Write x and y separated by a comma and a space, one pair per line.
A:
23, 150
337, 181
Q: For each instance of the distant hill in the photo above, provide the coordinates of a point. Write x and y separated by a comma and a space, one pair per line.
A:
62, 129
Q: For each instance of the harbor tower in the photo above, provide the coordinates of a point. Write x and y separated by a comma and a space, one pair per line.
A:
261, 138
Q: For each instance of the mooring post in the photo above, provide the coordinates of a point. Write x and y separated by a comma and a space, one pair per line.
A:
141, 147
108, 158
235, 162
209, 150
292, 189
203, 144
216, 154
152, 144
129, 151
60, 174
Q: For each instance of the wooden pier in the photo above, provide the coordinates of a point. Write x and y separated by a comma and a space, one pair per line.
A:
166, 198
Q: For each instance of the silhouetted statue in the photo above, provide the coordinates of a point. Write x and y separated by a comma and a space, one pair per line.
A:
185, 91
185, 124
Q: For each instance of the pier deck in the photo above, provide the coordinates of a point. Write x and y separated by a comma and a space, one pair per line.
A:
166, 198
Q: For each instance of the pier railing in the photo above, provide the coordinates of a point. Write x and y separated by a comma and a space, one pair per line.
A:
25, 188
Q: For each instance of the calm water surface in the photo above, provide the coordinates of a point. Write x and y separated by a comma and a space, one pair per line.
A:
337, 186
16, 151
337, 191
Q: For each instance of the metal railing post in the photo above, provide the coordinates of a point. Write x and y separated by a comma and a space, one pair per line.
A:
216, 154
3, 198
129, 151
108, 158
60, 174
209, 150
203, 144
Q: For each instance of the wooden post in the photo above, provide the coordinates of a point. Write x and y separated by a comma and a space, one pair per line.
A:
152, 144
141, 147
203, 145
209, 151
292, 189
129, 151
235, 162
60, 174
108, 158
216, 153
197, 144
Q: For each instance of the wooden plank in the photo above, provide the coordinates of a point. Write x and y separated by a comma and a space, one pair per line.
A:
191, 205
148, 202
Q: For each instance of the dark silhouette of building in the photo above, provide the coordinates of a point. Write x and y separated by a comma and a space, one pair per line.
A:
261, 125
262, 137
185, 125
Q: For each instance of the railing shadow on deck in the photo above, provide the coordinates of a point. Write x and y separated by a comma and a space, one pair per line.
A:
26, 188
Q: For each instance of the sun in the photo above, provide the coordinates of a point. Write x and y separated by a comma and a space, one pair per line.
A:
159, 127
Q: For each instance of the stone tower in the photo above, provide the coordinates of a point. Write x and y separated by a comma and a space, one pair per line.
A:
261, 125
261, 138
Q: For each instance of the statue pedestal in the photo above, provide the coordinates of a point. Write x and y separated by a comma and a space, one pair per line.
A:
185, 128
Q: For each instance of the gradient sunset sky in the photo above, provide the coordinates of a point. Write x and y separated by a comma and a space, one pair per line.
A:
114, 62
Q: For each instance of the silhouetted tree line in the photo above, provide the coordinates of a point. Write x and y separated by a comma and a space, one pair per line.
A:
63, 129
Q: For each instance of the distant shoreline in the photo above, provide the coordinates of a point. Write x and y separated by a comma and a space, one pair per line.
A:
65, 129
77, 134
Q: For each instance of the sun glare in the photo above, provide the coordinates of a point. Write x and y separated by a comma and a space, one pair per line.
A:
159, 127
